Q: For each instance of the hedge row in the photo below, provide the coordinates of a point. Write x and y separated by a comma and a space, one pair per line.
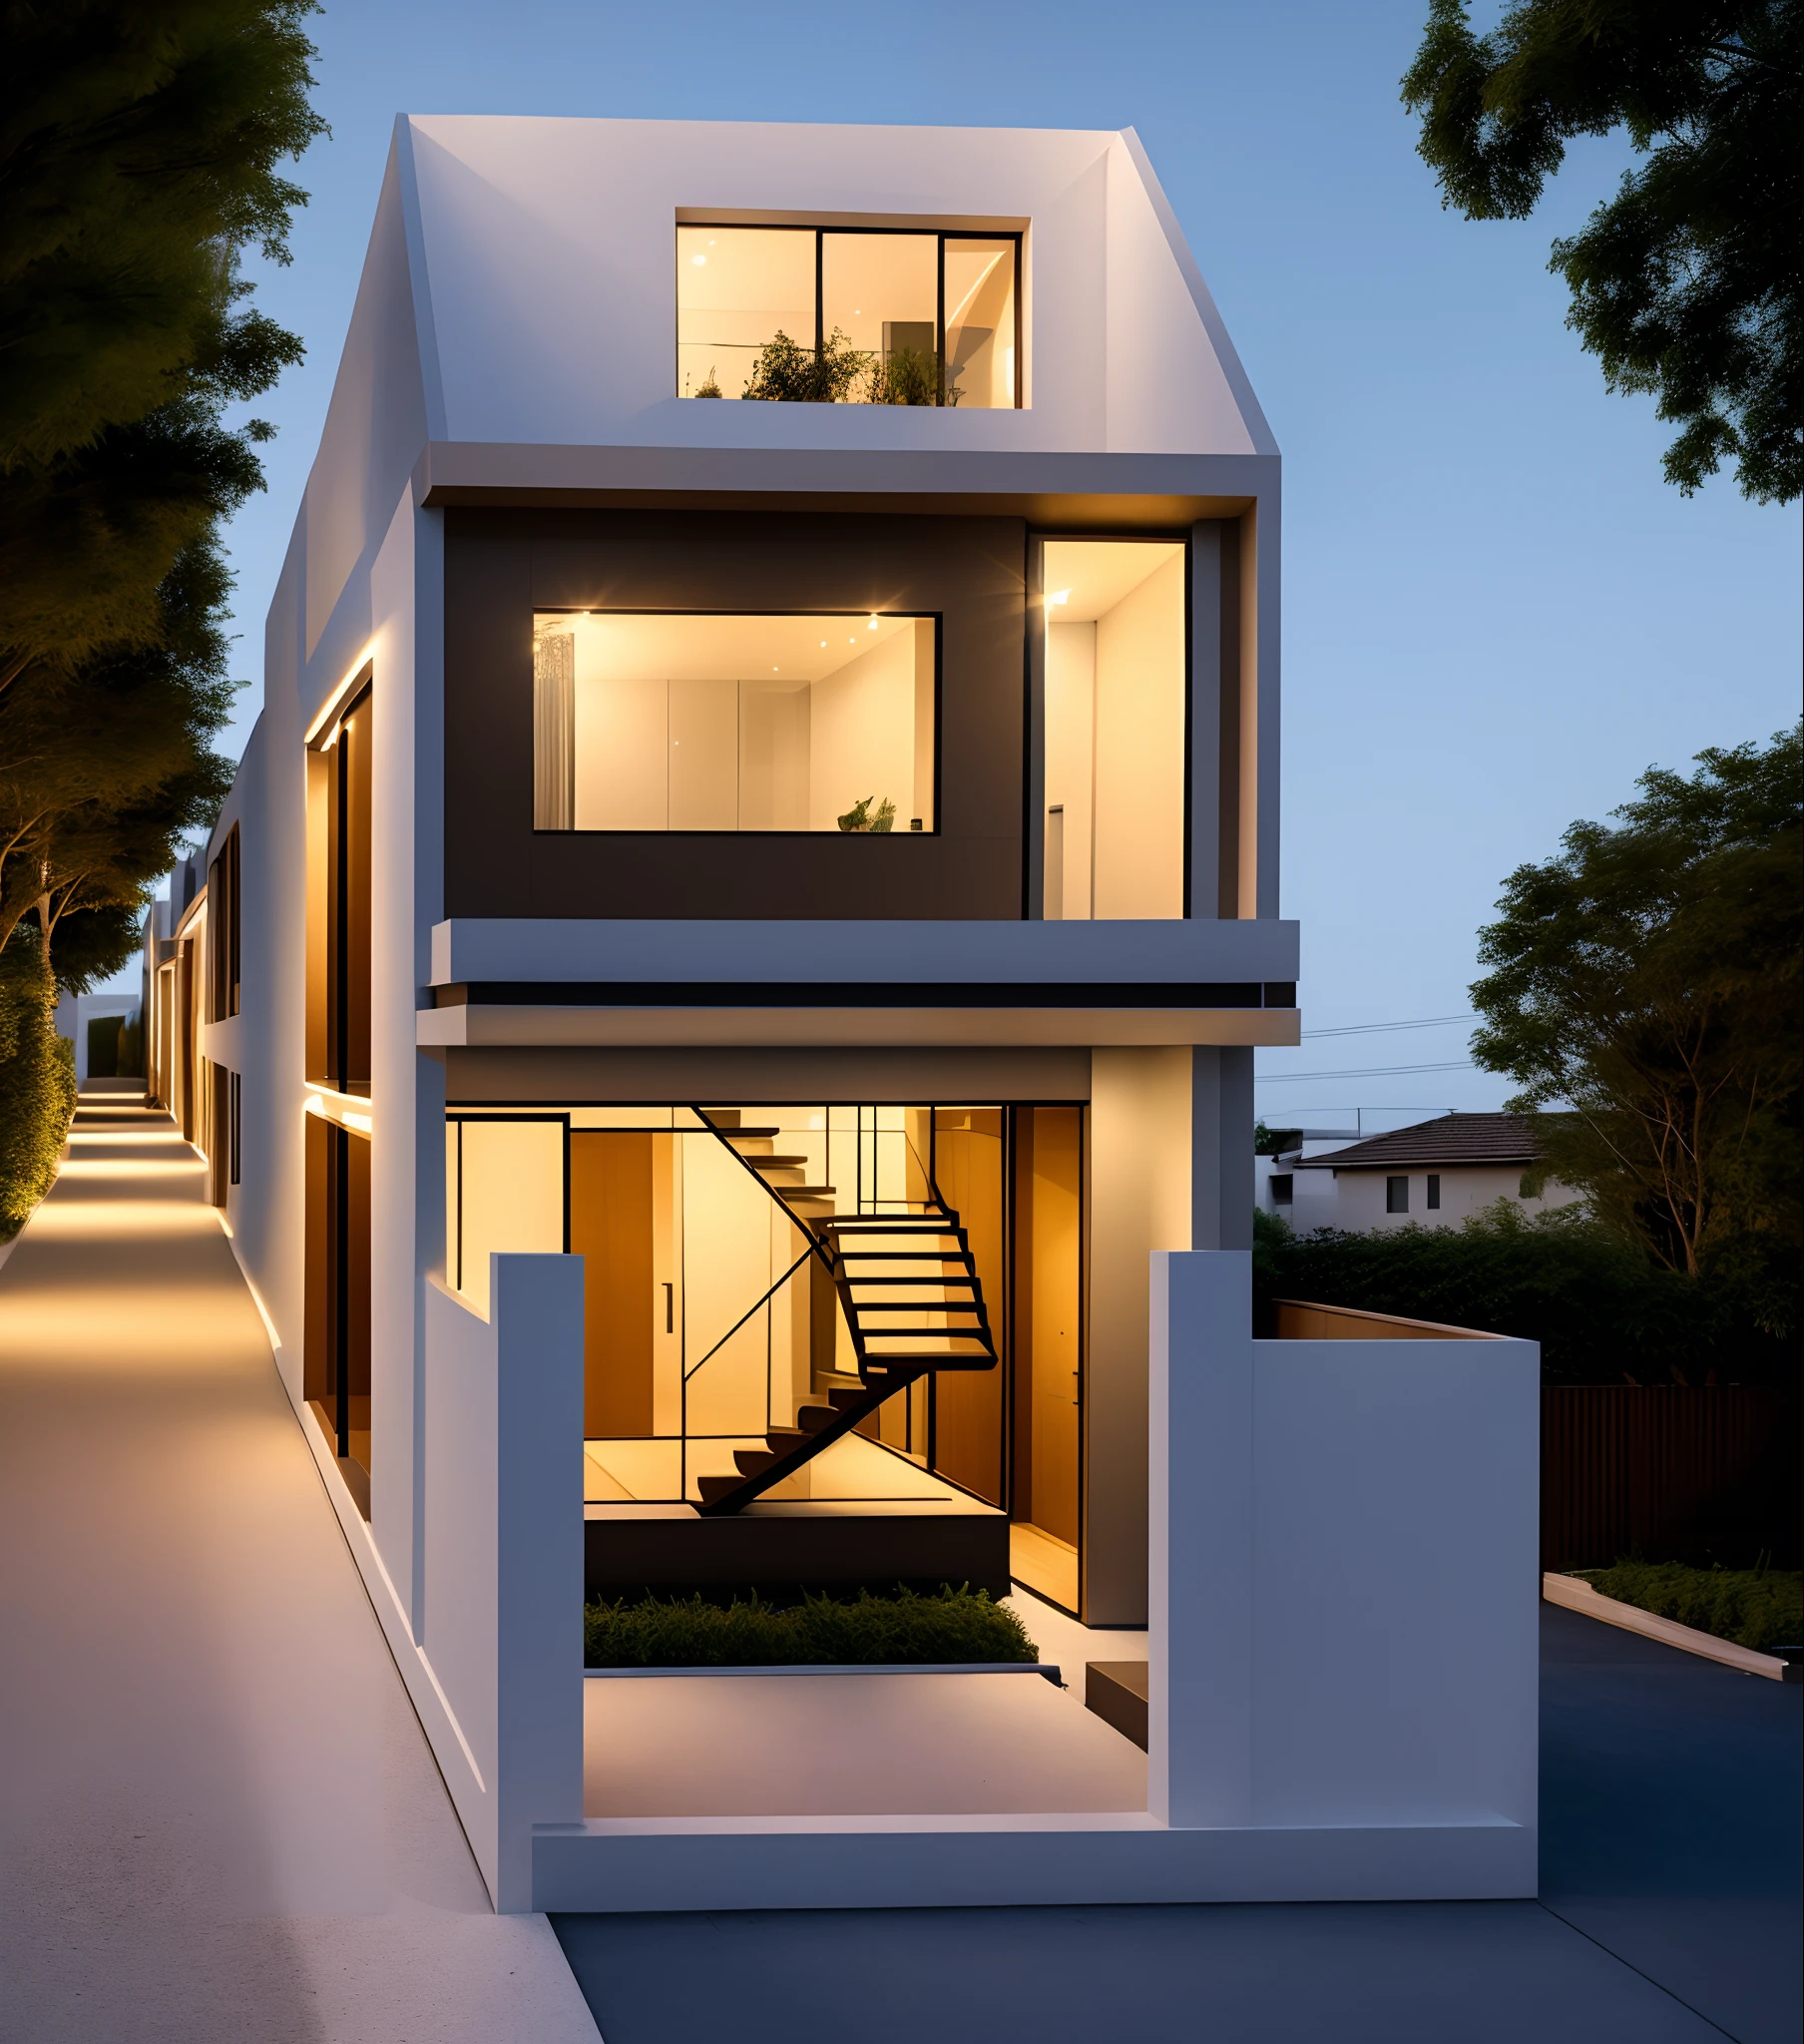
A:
1598, 1308
950, 1625
37, 1082
1753, 1607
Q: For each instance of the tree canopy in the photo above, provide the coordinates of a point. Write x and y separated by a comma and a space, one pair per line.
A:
140, 143
1690, 283
1644, 993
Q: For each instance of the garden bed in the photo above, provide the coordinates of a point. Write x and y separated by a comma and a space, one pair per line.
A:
901, 1630
1751, 1609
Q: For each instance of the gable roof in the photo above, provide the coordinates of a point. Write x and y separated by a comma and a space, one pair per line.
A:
1449, 1140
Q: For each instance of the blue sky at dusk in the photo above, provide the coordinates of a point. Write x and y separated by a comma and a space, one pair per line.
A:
1496, 613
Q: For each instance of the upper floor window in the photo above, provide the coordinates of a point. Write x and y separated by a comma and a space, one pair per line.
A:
836, 316
661, 720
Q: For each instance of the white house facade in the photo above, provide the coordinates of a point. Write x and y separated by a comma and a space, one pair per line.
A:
724, 1017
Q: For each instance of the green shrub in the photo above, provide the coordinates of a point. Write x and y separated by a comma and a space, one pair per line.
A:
37, 1082
1752, 1607
1599, 1309
689, 1632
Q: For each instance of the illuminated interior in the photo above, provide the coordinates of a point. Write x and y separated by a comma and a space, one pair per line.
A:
1114, 728
934, 316
660, 721
708, 1321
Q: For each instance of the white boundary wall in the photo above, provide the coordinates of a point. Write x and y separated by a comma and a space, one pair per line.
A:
1343, 1648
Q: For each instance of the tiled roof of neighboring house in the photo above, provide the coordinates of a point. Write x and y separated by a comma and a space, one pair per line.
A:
1450, 1138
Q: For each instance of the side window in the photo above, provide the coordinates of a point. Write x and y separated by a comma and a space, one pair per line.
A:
1396, 1196
1281, 1183
1434, 1189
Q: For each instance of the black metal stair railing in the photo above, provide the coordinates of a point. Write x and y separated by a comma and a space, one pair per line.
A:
904, 1323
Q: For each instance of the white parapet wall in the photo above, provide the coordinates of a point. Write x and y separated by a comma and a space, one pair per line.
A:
502, 1637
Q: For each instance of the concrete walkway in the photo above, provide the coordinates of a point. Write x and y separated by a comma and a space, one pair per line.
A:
219, 1818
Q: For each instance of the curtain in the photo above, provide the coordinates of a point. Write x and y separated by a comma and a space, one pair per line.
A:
554, 733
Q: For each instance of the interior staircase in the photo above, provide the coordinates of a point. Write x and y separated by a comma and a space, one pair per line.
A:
907, 1285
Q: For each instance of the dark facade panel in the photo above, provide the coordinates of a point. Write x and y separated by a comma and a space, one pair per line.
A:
501, 566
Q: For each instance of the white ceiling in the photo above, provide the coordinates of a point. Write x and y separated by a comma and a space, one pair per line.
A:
1098, 573
646, 646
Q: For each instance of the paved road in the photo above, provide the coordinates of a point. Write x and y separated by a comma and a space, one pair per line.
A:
218, 1818
1670, 1915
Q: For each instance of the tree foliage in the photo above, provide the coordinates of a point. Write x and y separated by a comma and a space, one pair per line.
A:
1687, 284
1646, 982
139, 146
1600, 1309
37, 1082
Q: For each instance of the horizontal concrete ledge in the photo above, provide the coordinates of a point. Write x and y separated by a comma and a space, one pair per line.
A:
667, 994
833, 954
876, 1028
876, 1863
803, 459
1048, 1669
1572, 1594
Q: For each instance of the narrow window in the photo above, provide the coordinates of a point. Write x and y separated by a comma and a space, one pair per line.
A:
235, 1111
338, 900
1114, 728
1396, 1196
1281, 1184
1434, 1189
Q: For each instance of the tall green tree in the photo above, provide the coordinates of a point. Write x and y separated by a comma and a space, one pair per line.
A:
140, 149
1690, 283
1644, 993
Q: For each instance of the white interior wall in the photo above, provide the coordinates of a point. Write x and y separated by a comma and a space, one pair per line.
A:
622, 752
1139, 749
862, 731
1071, 712
511, 1195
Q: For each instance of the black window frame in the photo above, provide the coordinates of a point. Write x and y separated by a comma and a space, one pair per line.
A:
1396, 1195
942, 235
1431, 1197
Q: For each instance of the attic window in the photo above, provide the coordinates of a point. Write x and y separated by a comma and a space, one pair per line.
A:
835, 315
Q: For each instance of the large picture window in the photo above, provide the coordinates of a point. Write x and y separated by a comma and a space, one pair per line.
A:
849, 316
654, 720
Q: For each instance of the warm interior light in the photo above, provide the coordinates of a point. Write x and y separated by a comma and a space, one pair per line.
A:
1060, 595
357, 1121
701, 260
872, 625
314, 1103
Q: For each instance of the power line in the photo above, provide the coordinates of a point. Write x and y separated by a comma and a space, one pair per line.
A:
1364, 1072
1376, 1028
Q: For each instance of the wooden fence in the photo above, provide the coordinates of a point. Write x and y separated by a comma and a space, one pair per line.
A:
1659, 1469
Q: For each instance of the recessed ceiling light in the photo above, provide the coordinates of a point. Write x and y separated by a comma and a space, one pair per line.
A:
697, 261
823, 645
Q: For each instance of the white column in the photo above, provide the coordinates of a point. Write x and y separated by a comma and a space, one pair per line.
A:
1201, 1547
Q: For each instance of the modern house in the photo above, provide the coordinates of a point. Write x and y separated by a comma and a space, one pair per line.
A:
727, 997
1433, 1174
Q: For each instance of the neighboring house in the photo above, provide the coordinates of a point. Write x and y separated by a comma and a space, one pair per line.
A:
76, 1015
731, 975
1434, 1174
